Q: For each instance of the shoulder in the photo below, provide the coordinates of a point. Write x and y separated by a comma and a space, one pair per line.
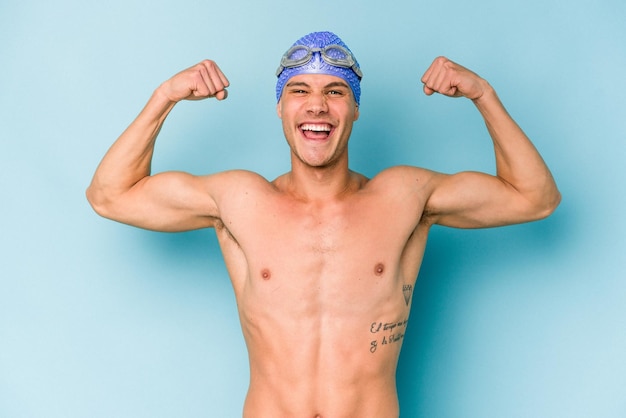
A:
402, 189
233, 189
232, 180
237, 175
405, 178
409, 189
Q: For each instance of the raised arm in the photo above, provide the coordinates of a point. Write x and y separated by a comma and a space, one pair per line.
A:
123, 189
523, 188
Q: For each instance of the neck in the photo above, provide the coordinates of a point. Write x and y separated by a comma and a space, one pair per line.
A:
320, 183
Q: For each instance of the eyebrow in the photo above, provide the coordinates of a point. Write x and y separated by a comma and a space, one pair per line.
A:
337, 84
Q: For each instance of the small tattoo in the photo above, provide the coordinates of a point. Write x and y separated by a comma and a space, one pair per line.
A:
407, 290
388, 335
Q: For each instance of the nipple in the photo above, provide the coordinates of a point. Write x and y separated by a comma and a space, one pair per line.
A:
265, 274
379, 269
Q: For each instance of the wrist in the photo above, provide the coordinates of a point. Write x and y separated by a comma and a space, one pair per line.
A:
158, 106
486, 92
488, 96
161, 94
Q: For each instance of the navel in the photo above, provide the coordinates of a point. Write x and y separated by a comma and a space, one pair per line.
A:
379, 269
265, 274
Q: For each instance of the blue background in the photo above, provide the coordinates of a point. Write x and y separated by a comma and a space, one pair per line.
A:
98, 319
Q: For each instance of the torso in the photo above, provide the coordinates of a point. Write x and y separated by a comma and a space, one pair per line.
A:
324, 293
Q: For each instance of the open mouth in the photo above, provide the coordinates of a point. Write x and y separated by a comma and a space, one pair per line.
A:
315, 130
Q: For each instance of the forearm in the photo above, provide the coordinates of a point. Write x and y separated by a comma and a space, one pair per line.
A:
129, 158
523, 188
518, 162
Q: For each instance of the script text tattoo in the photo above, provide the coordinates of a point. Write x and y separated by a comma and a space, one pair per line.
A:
387, 332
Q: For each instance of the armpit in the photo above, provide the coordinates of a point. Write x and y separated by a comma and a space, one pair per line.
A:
222, 230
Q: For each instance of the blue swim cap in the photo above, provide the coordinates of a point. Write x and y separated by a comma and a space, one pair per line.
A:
345, 67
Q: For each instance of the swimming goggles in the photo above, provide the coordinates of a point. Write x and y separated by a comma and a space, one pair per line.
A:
335, 55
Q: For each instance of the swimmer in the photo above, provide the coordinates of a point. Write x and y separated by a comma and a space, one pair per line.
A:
322, 259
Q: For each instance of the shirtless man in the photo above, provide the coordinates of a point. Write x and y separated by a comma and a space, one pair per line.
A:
322, 259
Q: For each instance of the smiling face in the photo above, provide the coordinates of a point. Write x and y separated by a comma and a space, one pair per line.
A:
317, 113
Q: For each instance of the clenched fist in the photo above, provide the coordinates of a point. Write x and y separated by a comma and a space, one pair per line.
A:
199, 82
451, 79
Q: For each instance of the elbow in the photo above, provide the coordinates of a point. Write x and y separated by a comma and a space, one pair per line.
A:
556, 200
547, 204
97, 200
552, 200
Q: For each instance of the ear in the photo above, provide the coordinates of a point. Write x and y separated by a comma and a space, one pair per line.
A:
356, 113
278, 110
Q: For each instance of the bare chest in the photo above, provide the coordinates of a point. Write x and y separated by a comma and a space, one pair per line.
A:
324, 239
336, 255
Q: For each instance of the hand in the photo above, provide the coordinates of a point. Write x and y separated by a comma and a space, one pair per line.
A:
451, 79
199, 82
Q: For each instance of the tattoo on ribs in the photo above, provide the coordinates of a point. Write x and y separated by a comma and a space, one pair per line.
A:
407, 290
393, 333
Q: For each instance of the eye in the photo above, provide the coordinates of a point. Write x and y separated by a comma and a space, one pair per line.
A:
335, 93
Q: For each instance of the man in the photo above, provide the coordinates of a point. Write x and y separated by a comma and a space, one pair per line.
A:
322, 259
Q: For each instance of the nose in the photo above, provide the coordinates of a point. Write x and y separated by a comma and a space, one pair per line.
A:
317, 103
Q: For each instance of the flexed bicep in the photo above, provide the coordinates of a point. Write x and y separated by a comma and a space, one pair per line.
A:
475, 200
168, 202
122, 187
522, 189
